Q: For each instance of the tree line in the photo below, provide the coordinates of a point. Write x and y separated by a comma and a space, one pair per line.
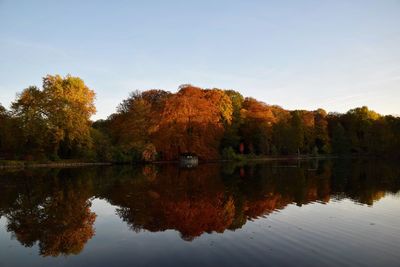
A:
53, 122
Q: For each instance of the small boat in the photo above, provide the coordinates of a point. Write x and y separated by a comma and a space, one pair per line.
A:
188, 160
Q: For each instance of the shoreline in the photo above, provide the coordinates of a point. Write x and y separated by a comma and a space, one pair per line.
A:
23, 164
15, 164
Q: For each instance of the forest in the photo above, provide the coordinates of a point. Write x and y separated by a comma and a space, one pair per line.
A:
54, 123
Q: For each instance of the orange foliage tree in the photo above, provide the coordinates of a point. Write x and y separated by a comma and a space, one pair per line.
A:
193, 122
256, 129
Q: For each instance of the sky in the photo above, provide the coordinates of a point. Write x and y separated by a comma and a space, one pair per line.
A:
330, 54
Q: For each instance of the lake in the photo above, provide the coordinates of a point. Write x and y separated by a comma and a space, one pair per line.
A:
278, 213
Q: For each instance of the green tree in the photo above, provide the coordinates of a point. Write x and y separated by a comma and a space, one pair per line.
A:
322, 141
232, 137
340, 142
358, 123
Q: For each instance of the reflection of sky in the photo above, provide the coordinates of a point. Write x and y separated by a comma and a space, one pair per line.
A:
330, 54
337, 233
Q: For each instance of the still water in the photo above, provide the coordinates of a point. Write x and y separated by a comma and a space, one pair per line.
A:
303, 213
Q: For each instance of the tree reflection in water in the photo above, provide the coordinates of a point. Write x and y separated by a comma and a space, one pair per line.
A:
53, 211
190, 201
52, 207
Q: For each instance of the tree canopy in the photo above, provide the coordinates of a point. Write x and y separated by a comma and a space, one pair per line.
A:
53, 122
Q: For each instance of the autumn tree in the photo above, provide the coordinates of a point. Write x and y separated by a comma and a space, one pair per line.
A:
68, 105
193, 122
308, 131
132, 122
55, 119
29, 111
256, 129
135, 122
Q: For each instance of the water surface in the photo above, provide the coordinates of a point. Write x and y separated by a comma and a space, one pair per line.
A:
303, 213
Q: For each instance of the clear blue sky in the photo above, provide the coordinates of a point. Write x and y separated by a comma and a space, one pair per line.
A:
298, 54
